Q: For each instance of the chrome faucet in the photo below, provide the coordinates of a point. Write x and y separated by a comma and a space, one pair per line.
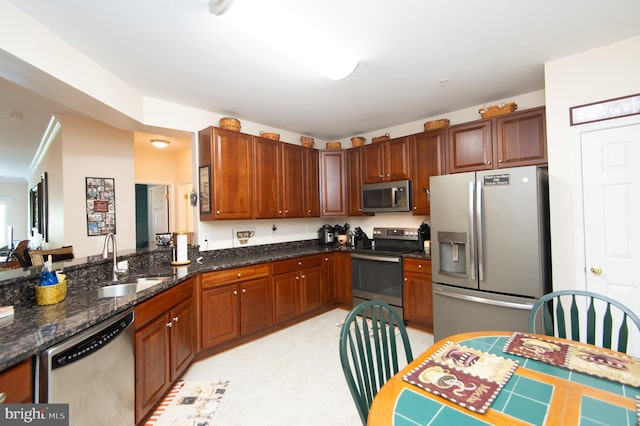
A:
105, 253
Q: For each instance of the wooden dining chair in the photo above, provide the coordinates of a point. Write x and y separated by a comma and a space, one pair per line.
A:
570, 313
370, 340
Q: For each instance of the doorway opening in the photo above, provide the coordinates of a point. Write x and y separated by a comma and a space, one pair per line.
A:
152, 213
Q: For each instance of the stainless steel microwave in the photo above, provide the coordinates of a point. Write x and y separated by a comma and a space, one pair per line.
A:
386, 197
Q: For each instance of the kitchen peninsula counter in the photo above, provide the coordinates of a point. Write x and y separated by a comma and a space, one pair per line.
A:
33, 328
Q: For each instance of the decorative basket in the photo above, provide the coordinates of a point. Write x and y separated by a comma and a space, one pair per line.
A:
334, 145
436, 124
51, 294
499, 109
382, 138
307, 141
230, 123
274, 136
357, 141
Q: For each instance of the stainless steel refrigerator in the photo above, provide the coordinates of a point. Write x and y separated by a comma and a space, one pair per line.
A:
490, 248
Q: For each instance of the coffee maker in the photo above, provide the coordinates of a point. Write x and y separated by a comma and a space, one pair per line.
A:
326, 234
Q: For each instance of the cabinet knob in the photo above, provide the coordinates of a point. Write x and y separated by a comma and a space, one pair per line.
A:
380, 175
308, 211
405, 280
279, 211
239, 274
419, 266
235, 292
297, 278
299, 263
286, 212
3, 396
303, 277
217, 211
499, 161
244, 290
326, 259
175, 319
488, 163
169, 324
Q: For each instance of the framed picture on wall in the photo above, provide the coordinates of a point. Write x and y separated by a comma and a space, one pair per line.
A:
205, 191
101, 206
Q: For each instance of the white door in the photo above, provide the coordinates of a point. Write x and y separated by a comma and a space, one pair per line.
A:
158, 210
611, 196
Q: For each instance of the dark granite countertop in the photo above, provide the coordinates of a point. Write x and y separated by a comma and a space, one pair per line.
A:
34, 328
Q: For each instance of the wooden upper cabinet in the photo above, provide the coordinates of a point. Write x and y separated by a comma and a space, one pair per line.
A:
333, 183
231, 163
354, 182
312, 182
279, 179
386, 161
267, 179
470, 146
521, 138
293, 187
428, 157
510, 140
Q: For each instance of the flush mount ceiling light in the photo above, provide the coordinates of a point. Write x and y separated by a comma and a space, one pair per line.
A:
159, 143
275, 27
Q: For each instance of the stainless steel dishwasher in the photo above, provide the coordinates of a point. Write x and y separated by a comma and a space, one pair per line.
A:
94, 372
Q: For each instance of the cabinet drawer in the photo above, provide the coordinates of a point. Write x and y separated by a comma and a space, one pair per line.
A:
289, 265
16, 383
234, 275
158, 305
417, 265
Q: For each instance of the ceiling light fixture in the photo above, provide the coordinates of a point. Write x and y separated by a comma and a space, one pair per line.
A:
159, 143
287, 34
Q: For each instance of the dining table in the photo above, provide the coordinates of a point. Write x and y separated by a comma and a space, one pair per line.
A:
511, 378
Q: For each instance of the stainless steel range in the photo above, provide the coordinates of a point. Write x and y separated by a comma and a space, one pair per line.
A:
377, 270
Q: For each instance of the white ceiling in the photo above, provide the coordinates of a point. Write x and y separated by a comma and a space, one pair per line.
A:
175, 50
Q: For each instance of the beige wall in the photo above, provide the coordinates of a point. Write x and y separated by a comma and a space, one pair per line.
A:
91, 149
599, 74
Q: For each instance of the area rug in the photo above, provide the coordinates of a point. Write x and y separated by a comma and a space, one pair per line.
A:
190, 403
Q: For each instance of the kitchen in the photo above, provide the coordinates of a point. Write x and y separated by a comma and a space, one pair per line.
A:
561, 92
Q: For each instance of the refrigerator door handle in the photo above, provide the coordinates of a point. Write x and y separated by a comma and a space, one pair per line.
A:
479, 240
472, 235
475, 299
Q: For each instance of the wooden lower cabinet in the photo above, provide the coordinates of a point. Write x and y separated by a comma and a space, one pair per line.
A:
164, 344
16, 384
417, 297
343, 285
329, 277
234, 302
297, 287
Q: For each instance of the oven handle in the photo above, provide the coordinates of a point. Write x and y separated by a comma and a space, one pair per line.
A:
375, 258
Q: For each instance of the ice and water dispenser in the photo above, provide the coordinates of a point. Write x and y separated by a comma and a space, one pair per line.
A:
452, 250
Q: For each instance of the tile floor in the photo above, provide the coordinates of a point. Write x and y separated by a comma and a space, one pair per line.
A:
292, 377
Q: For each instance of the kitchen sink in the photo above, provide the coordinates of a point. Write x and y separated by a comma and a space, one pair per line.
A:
117, 290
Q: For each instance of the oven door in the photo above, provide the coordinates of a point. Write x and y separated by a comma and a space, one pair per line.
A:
376, 277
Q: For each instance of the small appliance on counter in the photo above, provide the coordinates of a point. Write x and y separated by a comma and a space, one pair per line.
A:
360, 239
326, 234
424, 237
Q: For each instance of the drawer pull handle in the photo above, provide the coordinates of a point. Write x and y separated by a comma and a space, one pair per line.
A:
3, 396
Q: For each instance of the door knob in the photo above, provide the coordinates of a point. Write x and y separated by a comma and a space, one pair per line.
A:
595, 270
